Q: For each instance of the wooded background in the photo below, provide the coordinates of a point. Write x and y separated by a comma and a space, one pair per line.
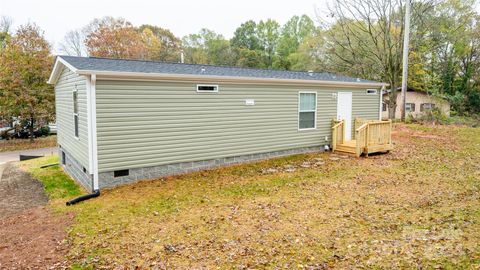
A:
359, 38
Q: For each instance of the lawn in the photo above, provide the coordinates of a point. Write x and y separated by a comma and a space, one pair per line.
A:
25, 144
417, 207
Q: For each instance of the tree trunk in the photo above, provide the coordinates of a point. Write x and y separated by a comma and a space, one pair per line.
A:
32, 119
391, 110
392, 103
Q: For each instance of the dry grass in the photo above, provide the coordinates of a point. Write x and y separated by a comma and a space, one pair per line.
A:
25, 144
417, 207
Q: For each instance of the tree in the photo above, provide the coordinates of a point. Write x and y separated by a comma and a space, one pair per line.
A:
164, 44
246, 37
115, 38
207, 47
310, 55
293, 33
194, 48
444, 56
249, 58
268, 33
246, 46
74, 43
25, 66
5, 25
152, 44
365, 39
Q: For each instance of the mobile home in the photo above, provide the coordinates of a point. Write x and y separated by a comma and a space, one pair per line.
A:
121, 121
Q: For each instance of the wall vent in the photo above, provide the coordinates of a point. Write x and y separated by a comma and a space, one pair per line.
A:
120, 173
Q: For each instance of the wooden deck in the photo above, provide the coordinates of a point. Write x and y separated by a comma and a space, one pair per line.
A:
370, 137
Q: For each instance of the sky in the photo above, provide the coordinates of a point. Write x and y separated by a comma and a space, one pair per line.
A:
182, 17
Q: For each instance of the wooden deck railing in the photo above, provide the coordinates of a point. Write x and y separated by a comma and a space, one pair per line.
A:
338, 133
373, 136
361, 138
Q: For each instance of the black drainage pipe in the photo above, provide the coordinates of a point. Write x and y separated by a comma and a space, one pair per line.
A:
48, 165
95, 194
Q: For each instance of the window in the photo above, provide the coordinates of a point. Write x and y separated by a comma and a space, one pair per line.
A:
384, 107
75, 112
207, 88
410, 107
371, 91
427, 107
307, 110
120, 173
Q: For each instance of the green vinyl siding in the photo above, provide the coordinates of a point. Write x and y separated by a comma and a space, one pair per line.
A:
364, 106
77, 147
142, 124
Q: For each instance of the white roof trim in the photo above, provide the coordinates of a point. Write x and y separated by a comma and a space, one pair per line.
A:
170, 76
57, 68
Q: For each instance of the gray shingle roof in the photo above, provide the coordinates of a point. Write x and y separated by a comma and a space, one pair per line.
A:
140, 66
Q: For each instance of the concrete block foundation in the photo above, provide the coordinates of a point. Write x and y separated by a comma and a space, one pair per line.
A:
107, 179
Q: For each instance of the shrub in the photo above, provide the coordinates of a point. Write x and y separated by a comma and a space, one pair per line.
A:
434, 116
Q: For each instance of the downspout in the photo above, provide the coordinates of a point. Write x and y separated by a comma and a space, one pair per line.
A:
93, 109
92, 139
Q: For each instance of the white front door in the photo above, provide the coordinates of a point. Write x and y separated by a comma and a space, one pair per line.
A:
344, 112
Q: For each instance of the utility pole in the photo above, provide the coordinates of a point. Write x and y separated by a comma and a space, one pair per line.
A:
406, 38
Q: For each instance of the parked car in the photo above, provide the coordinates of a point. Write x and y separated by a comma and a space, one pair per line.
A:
24, 132
7, 132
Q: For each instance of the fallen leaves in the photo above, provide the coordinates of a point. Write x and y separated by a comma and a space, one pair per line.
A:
416, 207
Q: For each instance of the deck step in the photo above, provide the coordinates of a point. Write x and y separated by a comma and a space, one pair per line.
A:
346, 148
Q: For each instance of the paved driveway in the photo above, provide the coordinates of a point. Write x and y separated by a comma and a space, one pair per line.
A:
14, 156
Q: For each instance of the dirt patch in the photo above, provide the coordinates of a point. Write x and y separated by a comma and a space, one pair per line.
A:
31, 236
34, 239
19, 191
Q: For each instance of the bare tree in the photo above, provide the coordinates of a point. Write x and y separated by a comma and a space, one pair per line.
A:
74, 43
5, 24
365, 38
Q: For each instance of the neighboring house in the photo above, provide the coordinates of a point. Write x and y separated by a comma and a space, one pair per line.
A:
121, 121
417, 103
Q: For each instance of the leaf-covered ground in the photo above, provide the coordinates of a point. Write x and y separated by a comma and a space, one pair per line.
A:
26, 144
417, 207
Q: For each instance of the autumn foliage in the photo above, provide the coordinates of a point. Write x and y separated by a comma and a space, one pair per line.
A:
118, 38
25, 65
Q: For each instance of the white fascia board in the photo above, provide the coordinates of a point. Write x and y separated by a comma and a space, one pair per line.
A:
59, 64
234, 79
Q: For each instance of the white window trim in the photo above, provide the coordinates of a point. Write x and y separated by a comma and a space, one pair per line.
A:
75, 114
409, 104
206, 91
374, 91
299, 111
